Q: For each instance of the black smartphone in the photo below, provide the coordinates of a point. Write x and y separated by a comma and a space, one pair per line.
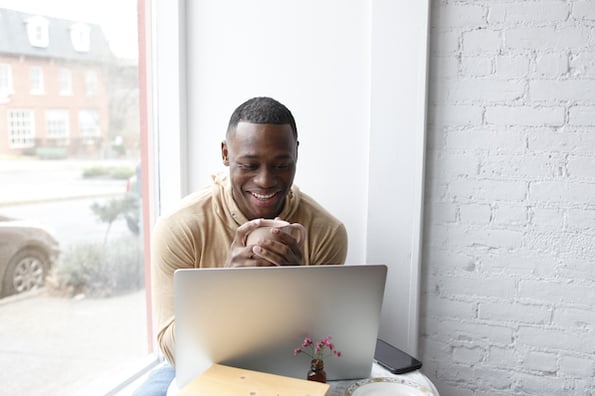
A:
393, 359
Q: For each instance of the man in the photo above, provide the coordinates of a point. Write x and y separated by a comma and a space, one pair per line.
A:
209, 228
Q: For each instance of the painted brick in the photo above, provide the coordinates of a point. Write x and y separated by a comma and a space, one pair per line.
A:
514, 312
525, 115
551, 65
584, 10
567, 141
530, 12
520, 262
555, 339
577, 267
530, 167
487, 190
509, 141
485, 238
541, 361
512, 66
505, 357
583, 64
577, 366
581, 193
528, 384
562, 243
454, 165
484, 90
510, 215
581, 167
581, 115
482, 40
442, 212
443, 67
463, 354
574, 318
476, 66
556, 292
547, 218
455, 115
458, 371
562, 90
460, 15
477, 286
475, 214
445, 307
444, 42
451, 261
546, 38
581, 220
483, 334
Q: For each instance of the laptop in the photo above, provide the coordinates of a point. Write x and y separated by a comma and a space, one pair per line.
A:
254, 318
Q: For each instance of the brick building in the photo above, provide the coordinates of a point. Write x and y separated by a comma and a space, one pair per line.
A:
53, 94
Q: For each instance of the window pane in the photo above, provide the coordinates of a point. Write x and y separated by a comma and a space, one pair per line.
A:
73, 304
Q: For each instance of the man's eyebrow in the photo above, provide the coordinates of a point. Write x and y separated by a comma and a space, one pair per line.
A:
254, 156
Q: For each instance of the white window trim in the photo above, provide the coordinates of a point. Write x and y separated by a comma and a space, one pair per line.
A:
33, 23
68, 90
40, 89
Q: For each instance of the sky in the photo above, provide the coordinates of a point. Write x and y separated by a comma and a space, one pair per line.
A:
117, 18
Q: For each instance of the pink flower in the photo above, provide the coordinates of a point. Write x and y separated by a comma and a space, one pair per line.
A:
319, 350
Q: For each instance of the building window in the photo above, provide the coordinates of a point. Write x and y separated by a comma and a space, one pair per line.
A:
89, 123
91, 83
37, 31
79, 36
65, 81
57, 124
36, 77
21, 128
5, 80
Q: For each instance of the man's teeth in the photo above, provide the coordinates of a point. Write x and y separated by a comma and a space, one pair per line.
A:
263, 197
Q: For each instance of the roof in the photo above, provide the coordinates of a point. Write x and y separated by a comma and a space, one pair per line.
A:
14, 39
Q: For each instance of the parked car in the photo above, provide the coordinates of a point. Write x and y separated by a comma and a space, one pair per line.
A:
28, 251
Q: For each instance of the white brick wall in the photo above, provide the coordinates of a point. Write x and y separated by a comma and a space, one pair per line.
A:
508, 282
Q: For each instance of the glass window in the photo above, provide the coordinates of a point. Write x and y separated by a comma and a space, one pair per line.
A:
57, 124
91, 82
65, 81
79, 35
73, 309
36, 75
5, 79
89, 123
21, 128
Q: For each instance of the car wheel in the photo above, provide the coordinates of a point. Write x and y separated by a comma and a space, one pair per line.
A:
26, 271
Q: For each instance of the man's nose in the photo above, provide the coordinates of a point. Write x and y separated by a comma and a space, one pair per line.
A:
264, 178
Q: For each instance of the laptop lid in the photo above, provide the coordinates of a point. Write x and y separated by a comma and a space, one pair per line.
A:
254, 318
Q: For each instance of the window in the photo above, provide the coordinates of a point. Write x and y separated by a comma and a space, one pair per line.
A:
79, 35
21, 128
65, 82
37, 31
91, 83
5, 79
57, 124
36, 77
89, 123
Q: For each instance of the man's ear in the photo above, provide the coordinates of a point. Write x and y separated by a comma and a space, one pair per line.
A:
297, 146
224, 153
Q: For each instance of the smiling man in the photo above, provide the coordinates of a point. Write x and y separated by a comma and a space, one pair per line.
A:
209, 228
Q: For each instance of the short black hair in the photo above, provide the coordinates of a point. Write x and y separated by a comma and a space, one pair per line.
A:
262, 110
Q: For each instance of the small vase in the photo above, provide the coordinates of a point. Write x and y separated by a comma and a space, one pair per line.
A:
317, 372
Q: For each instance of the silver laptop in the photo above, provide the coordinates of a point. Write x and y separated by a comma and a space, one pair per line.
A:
254, 318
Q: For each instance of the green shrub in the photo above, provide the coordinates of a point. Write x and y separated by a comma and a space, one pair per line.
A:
100, 270
119, 173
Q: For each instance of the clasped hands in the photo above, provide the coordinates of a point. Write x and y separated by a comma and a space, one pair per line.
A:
281, 249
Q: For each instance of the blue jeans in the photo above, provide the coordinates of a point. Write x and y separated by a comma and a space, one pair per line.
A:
157, 382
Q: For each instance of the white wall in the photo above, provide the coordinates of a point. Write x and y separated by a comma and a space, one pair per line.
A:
343, 68
509, 292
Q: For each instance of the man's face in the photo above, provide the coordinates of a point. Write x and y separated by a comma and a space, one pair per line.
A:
261, 160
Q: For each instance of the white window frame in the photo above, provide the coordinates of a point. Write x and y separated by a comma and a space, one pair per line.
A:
91, 82
84, 130
36, 80
80, 37
6, 83
65, 81
21, 122
57, 124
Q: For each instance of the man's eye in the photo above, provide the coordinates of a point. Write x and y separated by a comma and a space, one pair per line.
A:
282, 166
248, 166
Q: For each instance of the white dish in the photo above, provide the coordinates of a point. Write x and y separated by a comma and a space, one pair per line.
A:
382, 386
